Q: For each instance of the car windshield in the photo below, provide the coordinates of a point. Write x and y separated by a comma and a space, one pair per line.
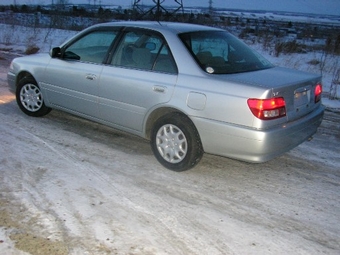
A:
219, 52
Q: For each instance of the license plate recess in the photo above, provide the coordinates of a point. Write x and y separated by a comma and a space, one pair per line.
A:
302, 96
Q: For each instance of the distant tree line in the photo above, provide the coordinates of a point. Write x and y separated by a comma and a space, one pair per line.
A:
268, 30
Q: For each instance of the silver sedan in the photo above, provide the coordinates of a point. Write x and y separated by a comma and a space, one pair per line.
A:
189, 89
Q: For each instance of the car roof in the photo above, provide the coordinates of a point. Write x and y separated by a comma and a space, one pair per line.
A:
174, 27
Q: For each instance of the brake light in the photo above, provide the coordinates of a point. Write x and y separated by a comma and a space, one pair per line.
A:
317, 92
266, 109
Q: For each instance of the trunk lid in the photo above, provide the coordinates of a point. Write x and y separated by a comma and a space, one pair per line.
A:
296, 87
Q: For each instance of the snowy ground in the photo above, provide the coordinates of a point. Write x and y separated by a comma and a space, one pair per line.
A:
70, 186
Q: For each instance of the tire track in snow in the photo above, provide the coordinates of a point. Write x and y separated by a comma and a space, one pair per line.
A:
168, 219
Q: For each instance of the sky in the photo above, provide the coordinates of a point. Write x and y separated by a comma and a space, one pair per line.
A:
331, 7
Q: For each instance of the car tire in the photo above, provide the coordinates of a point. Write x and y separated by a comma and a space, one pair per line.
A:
30, 99
175, 142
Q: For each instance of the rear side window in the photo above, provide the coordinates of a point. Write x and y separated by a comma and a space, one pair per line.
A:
218, 52
92, 47
144, 50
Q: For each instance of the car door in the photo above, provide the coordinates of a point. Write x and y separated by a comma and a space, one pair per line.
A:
141, 75
71, 81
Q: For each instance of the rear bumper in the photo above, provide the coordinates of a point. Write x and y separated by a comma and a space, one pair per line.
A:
256, 145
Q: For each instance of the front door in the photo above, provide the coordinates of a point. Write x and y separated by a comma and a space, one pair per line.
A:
71, 82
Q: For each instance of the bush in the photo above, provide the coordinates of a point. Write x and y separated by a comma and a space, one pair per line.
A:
32, 49
335, 85
289, 47
314, 62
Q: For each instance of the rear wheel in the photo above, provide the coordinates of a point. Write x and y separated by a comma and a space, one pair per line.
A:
30, 98
176, 143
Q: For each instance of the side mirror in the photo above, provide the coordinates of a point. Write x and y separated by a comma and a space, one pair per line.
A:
55, 52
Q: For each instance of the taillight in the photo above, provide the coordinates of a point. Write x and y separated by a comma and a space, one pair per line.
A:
317, 92
266, 109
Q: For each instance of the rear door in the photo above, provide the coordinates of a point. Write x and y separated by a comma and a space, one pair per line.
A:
71, 82
141, 75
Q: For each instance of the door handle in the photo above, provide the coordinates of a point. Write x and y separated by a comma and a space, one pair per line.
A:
160, 89
90, 76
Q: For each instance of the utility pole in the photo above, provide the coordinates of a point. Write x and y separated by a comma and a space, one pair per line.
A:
210, 7
158, 9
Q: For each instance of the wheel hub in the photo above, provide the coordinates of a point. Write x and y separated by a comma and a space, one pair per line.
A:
31, 98
171, 143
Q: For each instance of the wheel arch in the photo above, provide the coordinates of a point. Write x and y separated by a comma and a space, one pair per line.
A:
22, 75
155, 115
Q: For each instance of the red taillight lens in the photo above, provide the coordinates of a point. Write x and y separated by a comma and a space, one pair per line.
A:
266, 109
317, 92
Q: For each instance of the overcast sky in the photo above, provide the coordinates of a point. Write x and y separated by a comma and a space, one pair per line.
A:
306, 6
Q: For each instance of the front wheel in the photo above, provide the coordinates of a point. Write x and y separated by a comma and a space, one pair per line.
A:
30, 98
175, 142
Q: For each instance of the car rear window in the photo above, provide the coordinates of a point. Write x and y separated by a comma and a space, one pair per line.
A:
219, 52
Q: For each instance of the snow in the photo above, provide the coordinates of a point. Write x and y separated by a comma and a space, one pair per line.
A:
332, 104
18, 39
101, 191
330, 7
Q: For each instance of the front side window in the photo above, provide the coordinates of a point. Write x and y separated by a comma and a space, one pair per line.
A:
144, 50
91, 47
218, 52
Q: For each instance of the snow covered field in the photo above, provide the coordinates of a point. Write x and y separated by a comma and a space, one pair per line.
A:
71, 186
18, 38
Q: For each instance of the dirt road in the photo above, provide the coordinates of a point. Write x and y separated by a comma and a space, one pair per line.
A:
70, 186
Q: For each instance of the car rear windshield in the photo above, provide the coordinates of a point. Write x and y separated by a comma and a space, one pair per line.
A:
219, 52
